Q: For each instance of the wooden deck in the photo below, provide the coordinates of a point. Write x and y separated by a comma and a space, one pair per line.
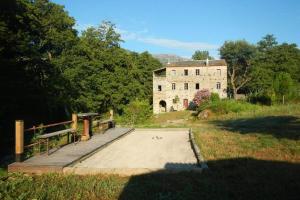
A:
69, 154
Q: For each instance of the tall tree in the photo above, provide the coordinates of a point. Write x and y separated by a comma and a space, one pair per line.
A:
33, 34
273, 59
239, 56
201, 55
283, 85
267, 43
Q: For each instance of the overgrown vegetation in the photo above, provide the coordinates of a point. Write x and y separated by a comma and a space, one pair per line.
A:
136, 112
265, 69
250, 156
204, 100
50, 70
227, 106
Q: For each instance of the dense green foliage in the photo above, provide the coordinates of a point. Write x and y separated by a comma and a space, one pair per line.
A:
228, 106
263, 99
239, 55
135, 112
50, 71
267, 68
223, 106
201, 55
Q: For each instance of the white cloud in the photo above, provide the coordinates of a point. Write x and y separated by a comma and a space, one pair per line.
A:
177, 44
164, 42
141, 36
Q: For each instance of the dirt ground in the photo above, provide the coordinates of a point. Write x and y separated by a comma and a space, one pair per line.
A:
142, 151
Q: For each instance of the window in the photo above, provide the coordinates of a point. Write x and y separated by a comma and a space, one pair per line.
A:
186, 86
197, 86
173, 86
219, 72
159, 87
218, 85
174, 101
173, 73
197, 72
186, 72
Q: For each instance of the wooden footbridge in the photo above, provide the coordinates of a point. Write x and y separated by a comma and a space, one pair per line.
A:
83, 143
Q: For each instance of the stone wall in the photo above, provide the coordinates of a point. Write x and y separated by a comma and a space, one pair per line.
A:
208, 78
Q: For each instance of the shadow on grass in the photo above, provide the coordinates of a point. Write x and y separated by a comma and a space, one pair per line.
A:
243, 178
278, 126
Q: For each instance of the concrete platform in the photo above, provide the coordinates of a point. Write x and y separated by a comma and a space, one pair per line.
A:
142, 151
71, 153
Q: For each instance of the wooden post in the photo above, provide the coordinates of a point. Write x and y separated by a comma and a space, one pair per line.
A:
74, 121
86, 129
111, 112
19, 140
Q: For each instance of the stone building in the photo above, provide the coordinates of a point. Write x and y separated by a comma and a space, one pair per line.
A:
175, 85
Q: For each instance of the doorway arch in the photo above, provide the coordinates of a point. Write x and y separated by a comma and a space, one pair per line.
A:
162, 106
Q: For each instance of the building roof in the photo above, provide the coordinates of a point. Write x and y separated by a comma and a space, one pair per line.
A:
160, 69
197, 63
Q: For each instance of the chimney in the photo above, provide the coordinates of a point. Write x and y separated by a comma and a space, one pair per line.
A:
168, 61
207, 62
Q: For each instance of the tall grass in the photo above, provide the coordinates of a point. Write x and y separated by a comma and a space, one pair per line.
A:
227, 106
253, 111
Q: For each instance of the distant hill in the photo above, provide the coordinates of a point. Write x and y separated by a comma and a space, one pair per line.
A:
165, 58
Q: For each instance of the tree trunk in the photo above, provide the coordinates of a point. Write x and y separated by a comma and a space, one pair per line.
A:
235, 93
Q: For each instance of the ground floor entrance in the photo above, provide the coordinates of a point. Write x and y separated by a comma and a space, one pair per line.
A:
185, 103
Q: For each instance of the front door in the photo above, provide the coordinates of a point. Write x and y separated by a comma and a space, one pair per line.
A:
185, 103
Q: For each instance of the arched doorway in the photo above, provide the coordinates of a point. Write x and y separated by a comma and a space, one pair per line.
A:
162, 106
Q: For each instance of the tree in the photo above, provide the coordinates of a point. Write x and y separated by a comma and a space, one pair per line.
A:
283, 85
267, 43
201, 55
49, 71
239, 56
137, 111
33, 35
273, 59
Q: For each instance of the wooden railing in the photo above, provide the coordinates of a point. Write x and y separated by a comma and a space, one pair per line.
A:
34, 128
41, 127
19, 132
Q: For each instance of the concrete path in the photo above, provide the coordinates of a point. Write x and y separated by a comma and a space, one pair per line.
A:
142, 151
68, 154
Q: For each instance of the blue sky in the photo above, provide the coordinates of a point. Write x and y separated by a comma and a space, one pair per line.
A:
181, 27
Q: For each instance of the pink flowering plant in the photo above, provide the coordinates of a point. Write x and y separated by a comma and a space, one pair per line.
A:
201, 96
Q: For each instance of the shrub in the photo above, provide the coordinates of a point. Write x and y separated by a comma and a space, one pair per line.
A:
137, 111
283, 84
226, 106
262, 99
201, 96
203, 106
192, 106
214, 97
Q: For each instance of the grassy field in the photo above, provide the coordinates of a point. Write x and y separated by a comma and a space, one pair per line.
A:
251, 155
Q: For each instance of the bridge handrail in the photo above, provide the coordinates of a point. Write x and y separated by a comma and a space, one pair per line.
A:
47, 126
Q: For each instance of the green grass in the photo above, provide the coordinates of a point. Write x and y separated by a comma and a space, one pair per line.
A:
56, 186
230, 106
251, 155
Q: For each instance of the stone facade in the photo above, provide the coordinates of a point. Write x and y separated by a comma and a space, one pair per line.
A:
175, 85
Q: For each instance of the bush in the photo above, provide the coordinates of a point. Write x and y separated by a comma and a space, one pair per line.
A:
262, 99
204, 106
226, 106
137, 111
214, 97
192, 106
201, 96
